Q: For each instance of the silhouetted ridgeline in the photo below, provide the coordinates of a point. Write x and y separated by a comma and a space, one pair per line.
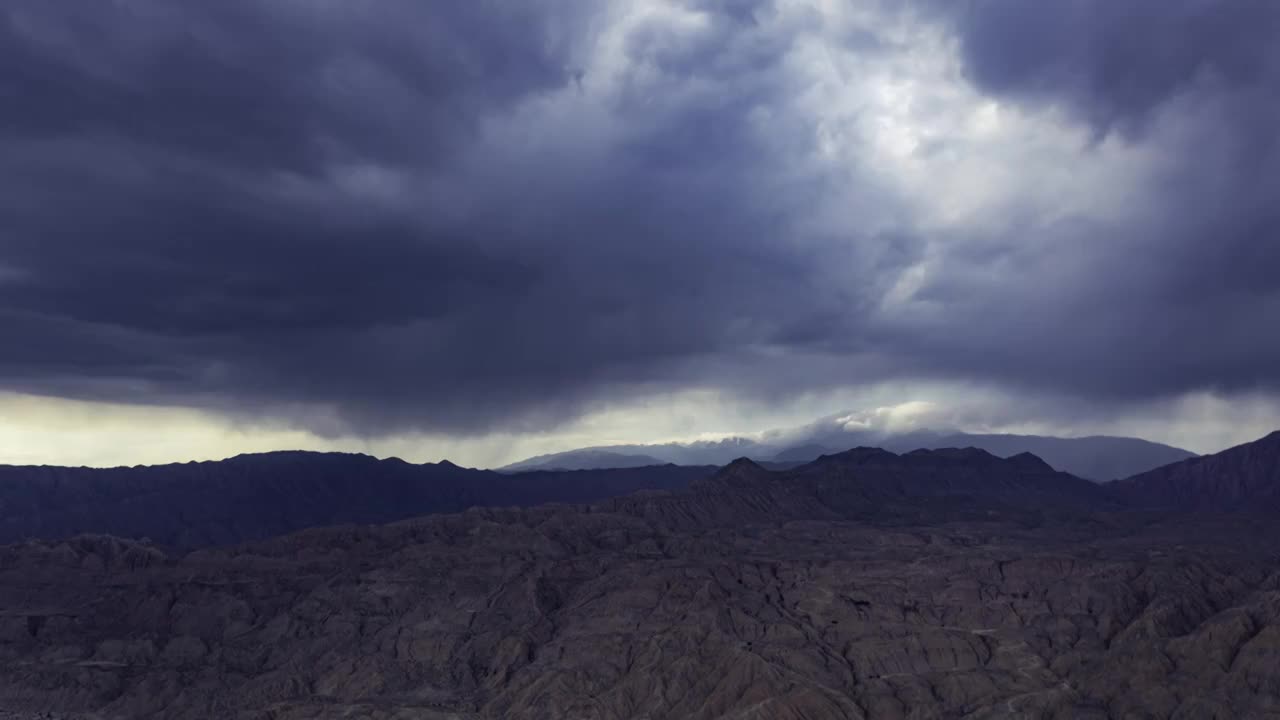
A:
250, 497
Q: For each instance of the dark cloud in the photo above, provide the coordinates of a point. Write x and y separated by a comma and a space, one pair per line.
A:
247, 206
1174, 293
288, 85
1115, 64
470, 216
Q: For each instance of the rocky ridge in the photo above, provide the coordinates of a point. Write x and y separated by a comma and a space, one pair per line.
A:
752, 595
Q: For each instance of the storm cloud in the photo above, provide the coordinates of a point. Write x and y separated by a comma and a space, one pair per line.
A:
1173, 287
469, 217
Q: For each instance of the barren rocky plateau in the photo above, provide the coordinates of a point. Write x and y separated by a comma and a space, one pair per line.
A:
945, 584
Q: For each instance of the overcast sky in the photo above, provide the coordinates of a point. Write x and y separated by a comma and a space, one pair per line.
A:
488, 229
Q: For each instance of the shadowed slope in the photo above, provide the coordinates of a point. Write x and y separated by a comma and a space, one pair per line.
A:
1245, 477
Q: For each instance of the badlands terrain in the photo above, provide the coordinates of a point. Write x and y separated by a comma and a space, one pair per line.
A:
934, 584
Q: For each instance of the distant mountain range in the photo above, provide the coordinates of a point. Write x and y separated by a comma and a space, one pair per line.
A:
702, 452
586, 459
1097, 458
251, 497
876, 485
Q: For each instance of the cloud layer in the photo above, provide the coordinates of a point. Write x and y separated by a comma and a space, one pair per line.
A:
464, 218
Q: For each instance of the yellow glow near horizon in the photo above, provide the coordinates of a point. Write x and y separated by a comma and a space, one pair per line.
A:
52, 431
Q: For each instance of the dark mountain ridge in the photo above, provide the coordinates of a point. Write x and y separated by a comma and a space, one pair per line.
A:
865, 480
872, 483
1244, 477
250, 497
255, 496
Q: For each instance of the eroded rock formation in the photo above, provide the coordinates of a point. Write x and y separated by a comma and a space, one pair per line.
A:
754, 595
